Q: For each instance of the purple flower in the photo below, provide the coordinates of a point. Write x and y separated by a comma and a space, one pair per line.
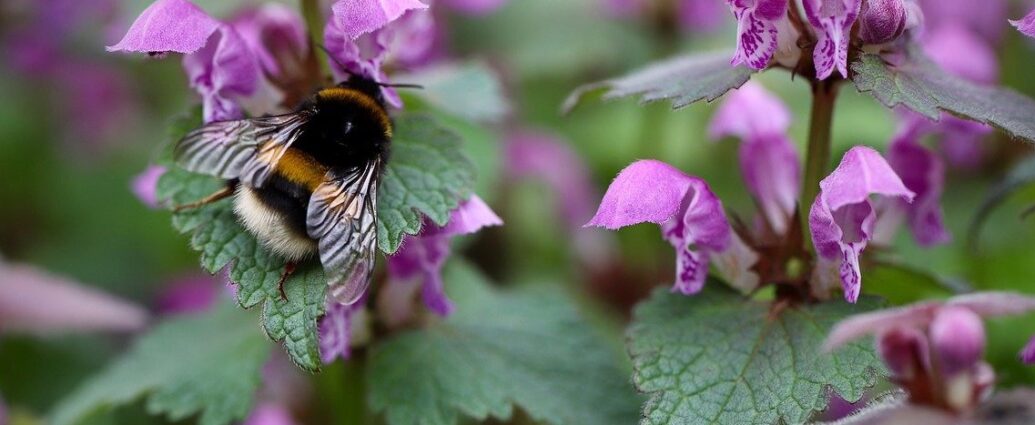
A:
958, 336
189, 294
32, 300
842, 216
145, 185
700, 16
270, 413
1028, 353
833, 20
881, 21
336, 330
223, 72
923, 173
535, 155
168, 26
690, 215
768, 161
475, 7
1026, 25
985, 21
363, 56
276, 36
422, 257
979, 64
358, 17
757, 30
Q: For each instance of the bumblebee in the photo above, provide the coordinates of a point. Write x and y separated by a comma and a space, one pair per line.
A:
305, 183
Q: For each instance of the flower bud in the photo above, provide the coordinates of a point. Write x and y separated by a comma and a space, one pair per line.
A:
881, 21
958, 339
904, 351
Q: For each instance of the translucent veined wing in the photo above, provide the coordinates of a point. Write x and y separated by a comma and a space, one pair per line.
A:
342, 217
246, 149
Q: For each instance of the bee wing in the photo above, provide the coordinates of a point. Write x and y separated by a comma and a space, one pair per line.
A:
242, 149
342, 217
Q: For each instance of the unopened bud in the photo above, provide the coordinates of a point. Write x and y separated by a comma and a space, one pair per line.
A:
881, 21
958, 339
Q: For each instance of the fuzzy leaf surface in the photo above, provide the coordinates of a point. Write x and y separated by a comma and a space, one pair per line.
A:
208, 365
682, 80
922, 86
716, 358
501, 350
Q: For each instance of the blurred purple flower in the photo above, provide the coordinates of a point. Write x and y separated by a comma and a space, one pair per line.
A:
985, 21
416, 41
537, 155
423, 256
757, 30
364, 56
625, 8
923, 173
168, 26
145, 185
979, 64
768, 161
842, 216
1028, 353
1026, 25
276, 36
270, 413
35, 301
881, 21
355, 18
958, 336
475, 7
189, 294
335, 329
690, 215
700, 16
833, 20
223, 72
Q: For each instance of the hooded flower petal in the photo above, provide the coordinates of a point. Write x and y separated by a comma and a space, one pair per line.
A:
958, 339
881, 21
992, 304
358, 17
904, 350
750, 112
1028, 354
168, 26
842, 217
363, 56
924, 174
223, 72
145, 184
276, 36
691, 216
1026, 25
833, 20
32, 300
475, 7
757, 30
536, 155
424, 256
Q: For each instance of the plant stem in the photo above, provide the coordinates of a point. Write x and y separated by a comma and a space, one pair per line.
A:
314, 24
817, 157
342, 391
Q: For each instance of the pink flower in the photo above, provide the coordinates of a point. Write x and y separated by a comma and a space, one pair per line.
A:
145, 185
1028, 353
881, 21
535, 155
168, 26
923, 173
270, 413
833, 20
276, 36
336, 329
358, 17
842, 216
690, 215
1026, 25
422, 257
757, 30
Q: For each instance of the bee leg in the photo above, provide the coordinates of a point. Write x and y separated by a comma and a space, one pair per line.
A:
289, 269
218, 195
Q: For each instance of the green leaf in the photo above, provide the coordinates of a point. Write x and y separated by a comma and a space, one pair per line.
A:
683, 80
919, 84
1020, 176
469, 90
427, 175
208, 364
528, 348
716, 358
900, 283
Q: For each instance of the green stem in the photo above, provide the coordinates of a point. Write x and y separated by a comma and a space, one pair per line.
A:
817, 157
342, 391
314, 24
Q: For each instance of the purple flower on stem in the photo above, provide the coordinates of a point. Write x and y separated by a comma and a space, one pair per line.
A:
1026, 25
168, 26
145, 185
757, 30
690, 215
358, 17
842, 216
934, 349
768, 161
923, 173
275, 35
833, 20
423, 256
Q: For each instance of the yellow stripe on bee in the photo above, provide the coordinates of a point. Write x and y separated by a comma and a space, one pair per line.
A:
301, 169
364, 100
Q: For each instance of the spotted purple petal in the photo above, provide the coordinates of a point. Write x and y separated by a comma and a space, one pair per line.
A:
923, 173
359, 17
757, 33
168, 26
842, 217
145, 184
222, 72
1026, 25
832, 20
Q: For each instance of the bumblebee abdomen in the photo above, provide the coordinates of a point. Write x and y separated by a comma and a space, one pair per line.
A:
276, 217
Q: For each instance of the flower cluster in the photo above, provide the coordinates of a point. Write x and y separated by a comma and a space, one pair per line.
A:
934, 350
261, 62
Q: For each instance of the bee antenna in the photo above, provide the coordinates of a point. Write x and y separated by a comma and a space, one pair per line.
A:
402, 86
331, 57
